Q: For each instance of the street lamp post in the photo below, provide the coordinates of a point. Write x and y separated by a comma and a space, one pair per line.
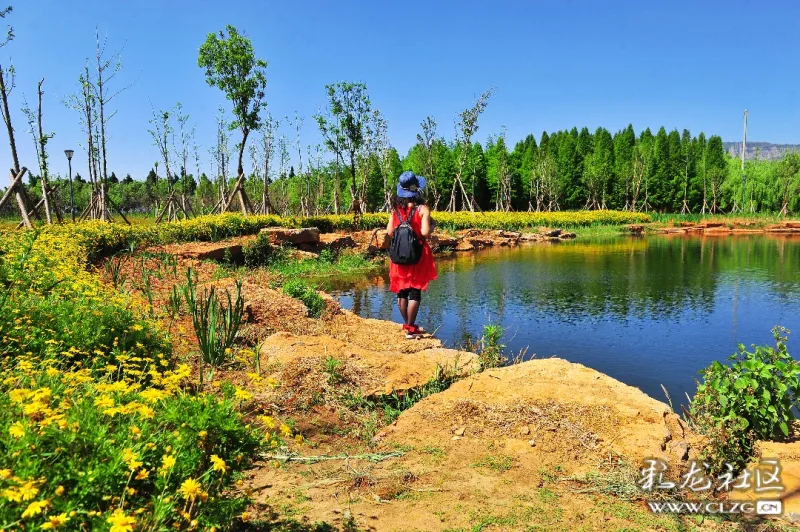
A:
69, 154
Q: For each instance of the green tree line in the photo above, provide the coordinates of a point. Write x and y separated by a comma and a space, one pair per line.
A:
575, 169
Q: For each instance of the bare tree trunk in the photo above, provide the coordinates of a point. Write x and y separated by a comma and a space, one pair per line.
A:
43, 158
16, 172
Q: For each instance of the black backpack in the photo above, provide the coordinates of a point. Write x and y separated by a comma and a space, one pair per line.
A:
406, 247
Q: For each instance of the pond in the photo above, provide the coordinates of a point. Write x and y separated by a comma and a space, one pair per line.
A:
648, 311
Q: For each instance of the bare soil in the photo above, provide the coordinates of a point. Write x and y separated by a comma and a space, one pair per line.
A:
542, 445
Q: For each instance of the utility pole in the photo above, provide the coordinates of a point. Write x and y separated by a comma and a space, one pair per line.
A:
744, 149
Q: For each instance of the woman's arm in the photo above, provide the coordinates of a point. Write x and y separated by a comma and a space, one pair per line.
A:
427, 224
390, 225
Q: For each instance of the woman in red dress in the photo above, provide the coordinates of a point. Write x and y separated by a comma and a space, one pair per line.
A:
409, 280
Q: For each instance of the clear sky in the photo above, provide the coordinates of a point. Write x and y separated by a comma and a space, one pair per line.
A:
554, 65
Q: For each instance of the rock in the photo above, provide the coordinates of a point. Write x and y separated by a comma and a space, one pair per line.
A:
377, 239
465, 245
634, 229
281, 235
460, 431
532, 443
678, 450
299, 254
568, 235
381, 372
218, 251
442, 241
554, 232
456, 438
531, 237
525, 430
337, 241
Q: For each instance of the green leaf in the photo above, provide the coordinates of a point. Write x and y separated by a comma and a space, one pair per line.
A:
740, 383
784, 428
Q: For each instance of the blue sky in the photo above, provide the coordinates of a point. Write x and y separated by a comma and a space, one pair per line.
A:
553, 64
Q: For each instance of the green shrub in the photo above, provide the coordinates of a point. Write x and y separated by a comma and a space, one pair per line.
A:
258, 252
298, 289
749, 400
490, 352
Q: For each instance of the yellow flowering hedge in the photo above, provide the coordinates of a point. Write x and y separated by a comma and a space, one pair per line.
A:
100, 239
99, 427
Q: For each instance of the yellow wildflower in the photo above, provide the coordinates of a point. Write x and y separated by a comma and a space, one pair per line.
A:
286, 430
142, 474
242, 395
18, 395
104, 401
17, 430
191, 489
268, 421
299, 439
131, 459
12, 494
121, 522
54, 521
28, 491
167, 462
5, 474
34, 508
218, 464
60, 491
202, 434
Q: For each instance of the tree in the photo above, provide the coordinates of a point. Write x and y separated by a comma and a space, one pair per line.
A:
40, 140
788, 179
624, 146
231, 65
716, 168
6, 87
261, 155
108, 66
687, 167
426, 142
344, 127
466, 127
599, 169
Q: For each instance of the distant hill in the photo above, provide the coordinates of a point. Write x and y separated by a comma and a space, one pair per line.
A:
766, 150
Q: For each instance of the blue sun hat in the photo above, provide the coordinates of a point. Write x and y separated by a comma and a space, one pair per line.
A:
410, 185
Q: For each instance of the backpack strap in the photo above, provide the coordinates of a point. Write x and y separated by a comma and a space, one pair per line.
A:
400, 217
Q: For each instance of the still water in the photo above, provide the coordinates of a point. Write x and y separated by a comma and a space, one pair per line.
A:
647, 311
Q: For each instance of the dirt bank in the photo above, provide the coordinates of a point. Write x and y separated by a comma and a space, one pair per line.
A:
718, 228
545, 441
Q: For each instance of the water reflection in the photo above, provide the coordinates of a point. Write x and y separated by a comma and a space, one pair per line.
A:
647, 311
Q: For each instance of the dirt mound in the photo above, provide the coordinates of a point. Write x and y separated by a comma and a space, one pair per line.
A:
374, 372
551, 444
572, 413
376, 335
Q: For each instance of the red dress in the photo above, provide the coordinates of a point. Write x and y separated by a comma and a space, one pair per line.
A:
402, 276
